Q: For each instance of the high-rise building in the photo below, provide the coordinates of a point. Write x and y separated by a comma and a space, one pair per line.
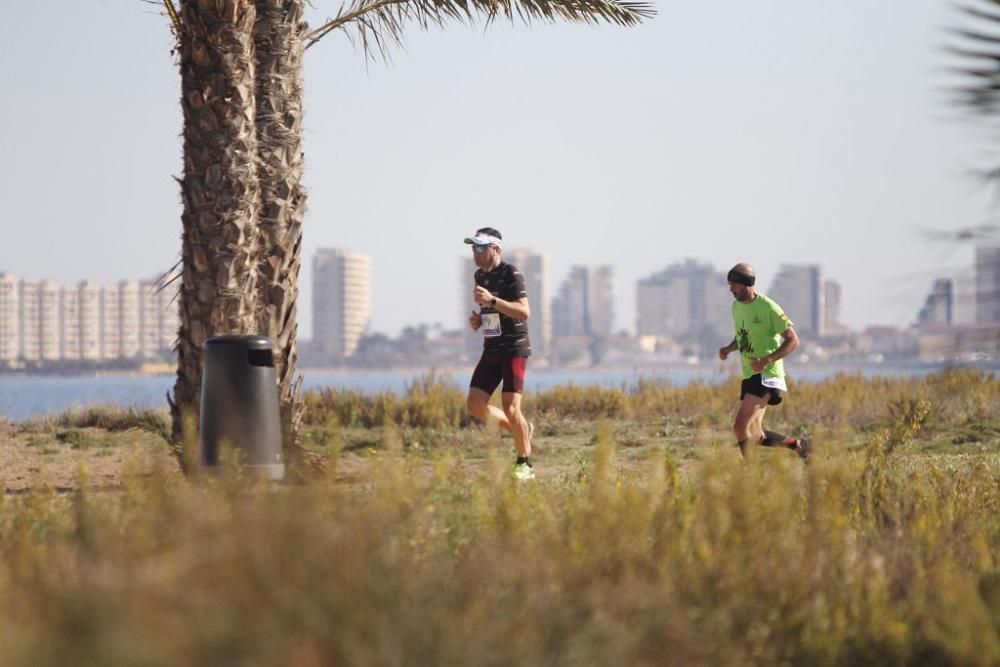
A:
535, 269
30, 298
685, 299
988, 284
341, 301
832, 296
797, 289
48, 317
149, 319
585, 303
90, 320
10, 319
169, 310
938, 307
69, 323
963, 297
158, 317
129, 300
111, 329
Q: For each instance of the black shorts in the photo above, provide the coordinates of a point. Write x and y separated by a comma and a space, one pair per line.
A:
492, 368
754, 386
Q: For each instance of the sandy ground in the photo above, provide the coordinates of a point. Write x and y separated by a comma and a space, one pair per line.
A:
33, 456
39, 454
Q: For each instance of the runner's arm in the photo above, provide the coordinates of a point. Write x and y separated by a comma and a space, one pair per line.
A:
519, 310
788, 345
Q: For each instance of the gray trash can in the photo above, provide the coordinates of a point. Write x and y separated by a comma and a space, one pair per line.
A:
239, 404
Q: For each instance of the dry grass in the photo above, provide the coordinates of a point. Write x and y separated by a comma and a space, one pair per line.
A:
645, 541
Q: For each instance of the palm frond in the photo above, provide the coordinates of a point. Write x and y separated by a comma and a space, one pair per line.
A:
171, 12
986, 231
380, 23
977, 53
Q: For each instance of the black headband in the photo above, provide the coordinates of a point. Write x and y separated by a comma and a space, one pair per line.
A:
741, 278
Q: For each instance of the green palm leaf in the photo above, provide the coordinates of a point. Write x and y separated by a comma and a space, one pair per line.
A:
977, 51
380, 22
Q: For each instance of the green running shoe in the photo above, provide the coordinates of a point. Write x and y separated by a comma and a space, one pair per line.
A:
523, 471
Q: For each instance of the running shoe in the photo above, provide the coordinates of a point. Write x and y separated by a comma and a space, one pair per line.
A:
523, 471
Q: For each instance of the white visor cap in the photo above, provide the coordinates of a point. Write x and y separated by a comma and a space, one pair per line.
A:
484, 239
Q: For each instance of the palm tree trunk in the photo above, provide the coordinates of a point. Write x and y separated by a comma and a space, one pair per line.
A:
278, 37
220, 191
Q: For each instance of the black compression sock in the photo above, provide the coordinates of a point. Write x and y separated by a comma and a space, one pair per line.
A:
524, 459
771, 439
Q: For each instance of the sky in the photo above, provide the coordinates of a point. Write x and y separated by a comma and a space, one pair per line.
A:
767, 131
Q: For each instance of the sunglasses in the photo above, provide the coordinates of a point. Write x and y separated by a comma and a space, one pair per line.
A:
480, 249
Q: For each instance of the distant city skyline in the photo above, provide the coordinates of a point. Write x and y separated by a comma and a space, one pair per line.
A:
682, 313
45, 322
676, 301
771, 132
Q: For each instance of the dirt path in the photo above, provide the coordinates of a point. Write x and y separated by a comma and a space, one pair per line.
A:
33, 457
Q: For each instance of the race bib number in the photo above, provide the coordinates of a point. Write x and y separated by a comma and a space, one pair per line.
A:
491, 325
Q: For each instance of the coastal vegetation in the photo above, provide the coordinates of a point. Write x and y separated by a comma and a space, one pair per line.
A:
645, 539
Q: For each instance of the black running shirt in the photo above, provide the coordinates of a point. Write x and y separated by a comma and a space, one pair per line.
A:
505, 282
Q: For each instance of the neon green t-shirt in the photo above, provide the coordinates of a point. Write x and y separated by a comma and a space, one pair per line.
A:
759, 325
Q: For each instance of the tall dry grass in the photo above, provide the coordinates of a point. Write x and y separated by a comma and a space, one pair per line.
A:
879, 553
959, 399
877, 556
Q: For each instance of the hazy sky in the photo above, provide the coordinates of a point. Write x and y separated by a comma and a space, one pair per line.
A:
771, 131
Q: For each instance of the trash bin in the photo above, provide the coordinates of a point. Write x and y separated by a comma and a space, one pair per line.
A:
239, 404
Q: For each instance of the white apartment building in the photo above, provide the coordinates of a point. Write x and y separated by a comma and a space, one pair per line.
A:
341, 301
49, 330
90, 320
69, 323
29, 295
129, 303
832, 297
111, 330
149, 319
169, 311
43, 321
10, 319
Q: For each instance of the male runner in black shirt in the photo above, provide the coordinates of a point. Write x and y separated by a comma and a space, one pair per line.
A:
502, 319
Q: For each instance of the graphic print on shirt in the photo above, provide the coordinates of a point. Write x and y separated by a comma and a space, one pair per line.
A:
743, 339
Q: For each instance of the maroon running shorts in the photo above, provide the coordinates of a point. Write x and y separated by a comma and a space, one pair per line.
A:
492, 368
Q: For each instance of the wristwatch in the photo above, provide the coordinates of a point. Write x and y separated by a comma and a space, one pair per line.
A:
493, 301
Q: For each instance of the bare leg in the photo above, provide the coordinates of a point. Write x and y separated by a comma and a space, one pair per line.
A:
517, 424
756, 427
478, 404
747, 425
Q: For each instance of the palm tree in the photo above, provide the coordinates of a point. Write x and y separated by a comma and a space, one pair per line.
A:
219, 188
274, 229
278, 38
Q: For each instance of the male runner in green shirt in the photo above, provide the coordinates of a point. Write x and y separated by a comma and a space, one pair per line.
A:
764, 336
